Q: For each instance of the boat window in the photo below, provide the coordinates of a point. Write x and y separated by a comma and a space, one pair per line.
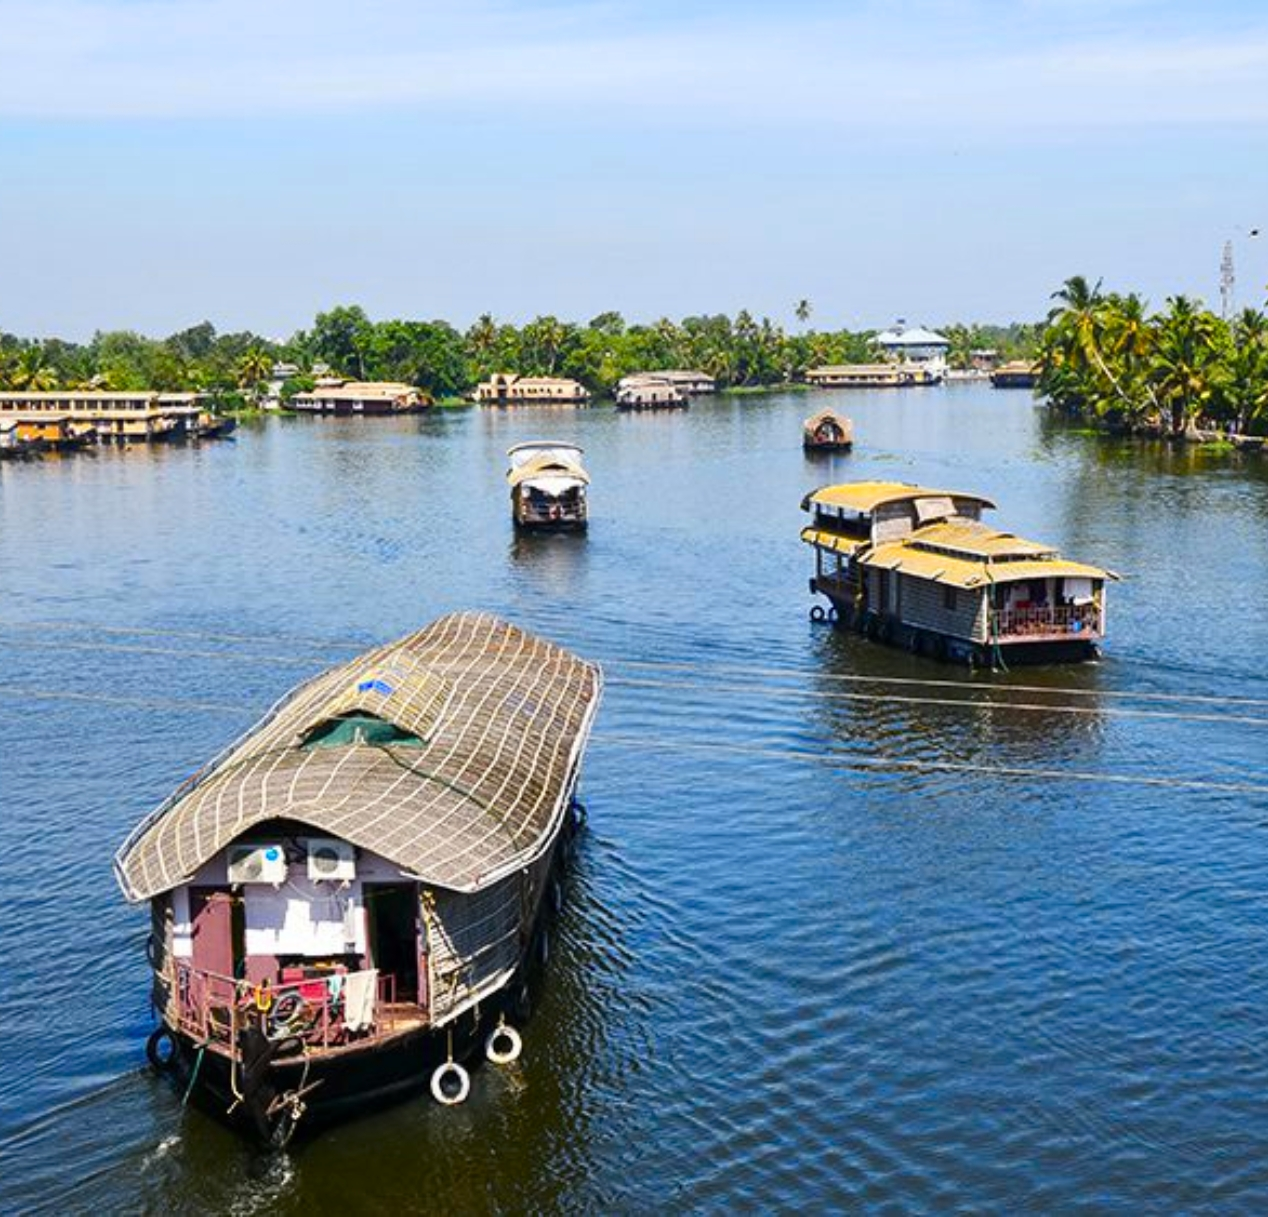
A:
359, 729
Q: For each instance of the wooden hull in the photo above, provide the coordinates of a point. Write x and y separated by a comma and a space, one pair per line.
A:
893, 631
340, 409
842, 445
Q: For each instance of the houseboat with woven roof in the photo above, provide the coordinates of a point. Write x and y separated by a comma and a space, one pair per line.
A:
346, 904
827, 431
917, 567
548, 486
508, 389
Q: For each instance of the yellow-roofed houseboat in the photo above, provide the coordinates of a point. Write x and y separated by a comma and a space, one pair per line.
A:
917, 567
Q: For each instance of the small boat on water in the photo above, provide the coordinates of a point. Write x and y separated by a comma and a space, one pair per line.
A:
346, 904
916, 567
548, 486
827, 431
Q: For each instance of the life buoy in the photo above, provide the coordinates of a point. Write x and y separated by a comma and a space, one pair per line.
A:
442, 1075
262, 997
503, 1044
161, 1060
817, 614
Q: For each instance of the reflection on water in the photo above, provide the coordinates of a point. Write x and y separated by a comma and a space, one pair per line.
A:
840, 934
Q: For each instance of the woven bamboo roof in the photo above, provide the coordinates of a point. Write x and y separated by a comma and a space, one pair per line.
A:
547, 466
502, 717
815, 421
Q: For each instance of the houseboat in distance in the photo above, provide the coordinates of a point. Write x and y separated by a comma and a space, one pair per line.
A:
649, 393
334, 396
827, 431
346, 905
508, 389
917, 567
1016, 374
116, 417
872, 376
548, 486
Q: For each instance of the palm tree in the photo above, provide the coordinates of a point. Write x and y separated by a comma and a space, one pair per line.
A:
253, 369
1186, 370
802, 311
31, 372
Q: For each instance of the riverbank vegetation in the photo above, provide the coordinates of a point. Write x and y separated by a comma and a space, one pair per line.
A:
739, 352
1181, 371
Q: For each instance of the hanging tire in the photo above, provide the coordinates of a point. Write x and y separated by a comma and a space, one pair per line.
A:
817, 614
162, 1059
450, 1084
503, 1045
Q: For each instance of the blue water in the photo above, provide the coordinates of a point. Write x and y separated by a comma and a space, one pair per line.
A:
834, 941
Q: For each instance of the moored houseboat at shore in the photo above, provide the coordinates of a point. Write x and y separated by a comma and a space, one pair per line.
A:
649, 393
548, 486
345, 906
508, 389
873, 376
334, 396
115, 416
827, 431
916, 567
1016, 374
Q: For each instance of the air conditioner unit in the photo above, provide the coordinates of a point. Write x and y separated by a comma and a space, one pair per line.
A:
331, 859
257, 864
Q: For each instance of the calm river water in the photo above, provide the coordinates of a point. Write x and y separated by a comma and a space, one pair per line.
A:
834, 941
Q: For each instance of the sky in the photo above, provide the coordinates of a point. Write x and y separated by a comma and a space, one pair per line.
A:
252, 163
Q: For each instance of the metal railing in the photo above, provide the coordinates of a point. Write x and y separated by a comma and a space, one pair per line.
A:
212, 1008
1055, 621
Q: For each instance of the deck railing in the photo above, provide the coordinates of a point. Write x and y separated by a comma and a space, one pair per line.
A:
1062, 621
213, 1008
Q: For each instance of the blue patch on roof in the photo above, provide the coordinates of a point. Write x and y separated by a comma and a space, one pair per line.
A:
376, 686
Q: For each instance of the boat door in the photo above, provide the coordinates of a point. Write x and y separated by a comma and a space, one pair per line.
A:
392, 914
219, 931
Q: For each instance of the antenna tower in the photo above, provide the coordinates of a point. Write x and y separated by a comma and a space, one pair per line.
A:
1227, 281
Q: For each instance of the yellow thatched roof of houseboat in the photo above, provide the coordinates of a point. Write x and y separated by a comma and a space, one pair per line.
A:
972, 555
867, 496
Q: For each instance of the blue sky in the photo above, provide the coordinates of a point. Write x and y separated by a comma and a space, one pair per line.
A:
166, 161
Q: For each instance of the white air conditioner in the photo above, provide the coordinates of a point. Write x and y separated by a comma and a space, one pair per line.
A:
257, 864
329, 858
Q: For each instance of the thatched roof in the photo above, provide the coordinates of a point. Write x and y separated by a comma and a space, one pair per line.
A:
547, 466
815, 421
501, 719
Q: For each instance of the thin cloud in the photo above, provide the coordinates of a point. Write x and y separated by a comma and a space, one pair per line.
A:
941, 66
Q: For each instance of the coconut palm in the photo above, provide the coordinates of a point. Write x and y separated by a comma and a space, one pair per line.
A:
253, 369
803, 311
1186, 370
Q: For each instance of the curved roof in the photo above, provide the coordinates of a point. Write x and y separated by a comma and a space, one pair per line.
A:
824, 416
867, 496
547, 466
503, 718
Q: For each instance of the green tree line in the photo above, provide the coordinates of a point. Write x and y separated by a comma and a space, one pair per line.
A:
739, 351
1104, 357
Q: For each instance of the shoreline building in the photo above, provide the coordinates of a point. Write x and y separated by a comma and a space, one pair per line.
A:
915, 345
509, 389
117, 417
